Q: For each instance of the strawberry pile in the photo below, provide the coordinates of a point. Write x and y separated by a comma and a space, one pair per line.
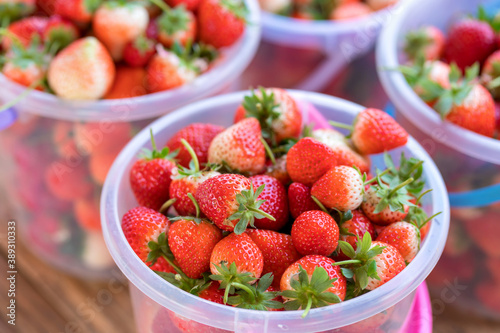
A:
325, 9
89, 50
270, 215
458, 74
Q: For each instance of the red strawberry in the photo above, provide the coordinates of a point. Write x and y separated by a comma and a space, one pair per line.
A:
308, 160
46, 6
341, 188
311, 272
139, 51
118, 23
150, 177
61, 31
469, 41
212, 293
230, 202
76, 10
490, 72
239, 147
199, 136
221, 22
404, 236
277, 250
374, 132
427, 41
240, 250
299, 199
275, 202
277, 112
26, 66
315, 232
129, 82
176, 25
192, 244
278, 170
353, 226
190, 5
82, 71
344, 154
142, 225
25, 30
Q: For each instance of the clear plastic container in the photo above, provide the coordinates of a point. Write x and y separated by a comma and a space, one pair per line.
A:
55, 157
469, 163
311, 53
161, 307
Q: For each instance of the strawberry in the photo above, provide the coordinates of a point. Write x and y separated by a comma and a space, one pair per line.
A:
380, 4
315, 232
469, 41
185, 183
230, 202
344, 154
372, 264
191, 244
118, 23
374, 132
490, 74
212, 293
60, 32
352, 227
385, 204
82, 71
24, 31
404, 236
190, 5
139, 51
427, 41
465, 103
221, 22
150, 176
278, 170
177, 25
312, 282
341, 188
277, 112
239, 147
129, 82
141, 226
350, 11
308, 160
299, 199
275, 202
277, 250
80, 11
11, 10
46, 6
199, 136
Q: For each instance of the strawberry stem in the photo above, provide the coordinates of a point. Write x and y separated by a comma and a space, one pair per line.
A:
340, 125
421, 196
162, 5
261, 212
195, 203
268, 150
374, 179
321, 206
347, 262
400, 186
193, 154
164, 208
174, 266
308, 307
153, 143
245, 288
429, 219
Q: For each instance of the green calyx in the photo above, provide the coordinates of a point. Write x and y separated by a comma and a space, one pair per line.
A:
320, 9
189, 56
174, 20
22, 56
165, 153
255, 297
197, 219
237, 7
248, 209
310, 293
417, 215
395, 195
143, 44
342, 218
91, 5
192, 286
230, 280
408, 168
263, 106
362, 264
416, 41
418, 71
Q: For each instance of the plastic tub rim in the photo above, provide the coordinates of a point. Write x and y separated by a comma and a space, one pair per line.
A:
380, 299
414, 108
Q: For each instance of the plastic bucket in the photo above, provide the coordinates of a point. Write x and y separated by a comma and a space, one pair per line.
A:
159, 306
55, 157
307, 55
469, 163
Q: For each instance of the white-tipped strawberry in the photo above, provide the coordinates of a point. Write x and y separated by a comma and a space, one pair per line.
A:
175, 25
116, 23
404, 236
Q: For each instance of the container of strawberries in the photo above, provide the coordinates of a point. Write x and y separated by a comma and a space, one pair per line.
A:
308, 42
81, 77
248, 212
438, 62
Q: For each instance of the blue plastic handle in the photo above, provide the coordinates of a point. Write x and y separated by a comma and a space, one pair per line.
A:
7, 118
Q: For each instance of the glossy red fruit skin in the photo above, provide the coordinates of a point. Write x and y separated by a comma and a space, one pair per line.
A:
315, 232
138, 58
386, 216
389, 264
404, 236
150, 181
358, 226
277, 250
218, 26
141, 225
199, 136
299, 199
309, 263
469, 41
212, 293
276, 202
308, 160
